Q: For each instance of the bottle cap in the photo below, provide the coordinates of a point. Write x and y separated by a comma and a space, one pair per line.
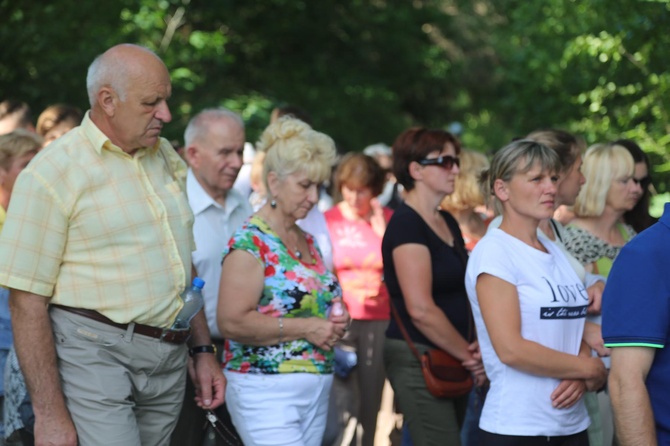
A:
198, 282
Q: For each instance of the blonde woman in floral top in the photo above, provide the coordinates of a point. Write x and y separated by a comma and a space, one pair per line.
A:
279, 306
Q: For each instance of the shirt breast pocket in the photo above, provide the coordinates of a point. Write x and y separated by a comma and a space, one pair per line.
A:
177, 198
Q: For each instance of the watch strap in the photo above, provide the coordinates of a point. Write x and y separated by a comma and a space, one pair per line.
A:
211, 348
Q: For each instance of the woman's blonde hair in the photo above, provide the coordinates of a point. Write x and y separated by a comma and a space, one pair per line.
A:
517, 157
467, 193
291, 146
602, 164
16, 144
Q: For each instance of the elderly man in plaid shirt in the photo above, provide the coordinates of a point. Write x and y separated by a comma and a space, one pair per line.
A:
96, 250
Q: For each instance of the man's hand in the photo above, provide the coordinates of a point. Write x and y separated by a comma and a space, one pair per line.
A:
205, 370
36, 352
208, 380
54, 431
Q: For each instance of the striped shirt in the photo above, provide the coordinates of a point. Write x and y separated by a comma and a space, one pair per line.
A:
93, 227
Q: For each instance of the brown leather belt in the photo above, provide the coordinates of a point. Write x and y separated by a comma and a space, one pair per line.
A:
164, 334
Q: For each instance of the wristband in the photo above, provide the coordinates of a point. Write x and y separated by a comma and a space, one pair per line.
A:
202, 349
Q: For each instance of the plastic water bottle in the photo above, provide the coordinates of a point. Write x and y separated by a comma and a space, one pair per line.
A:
345, 361
193, 302
336, 309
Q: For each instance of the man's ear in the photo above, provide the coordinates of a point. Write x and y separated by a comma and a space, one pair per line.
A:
501, 190
108, 100
192, 158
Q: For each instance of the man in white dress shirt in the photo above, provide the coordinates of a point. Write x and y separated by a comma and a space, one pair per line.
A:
214, 143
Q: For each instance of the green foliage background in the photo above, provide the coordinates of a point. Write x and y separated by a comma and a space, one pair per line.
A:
365, 70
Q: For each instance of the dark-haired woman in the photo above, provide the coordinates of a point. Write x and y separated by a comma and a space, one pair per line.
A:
424, 269
639, 217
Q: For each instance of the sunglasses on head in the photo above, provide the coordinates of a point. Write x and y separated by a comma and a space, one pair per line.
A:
445, 161
643, 182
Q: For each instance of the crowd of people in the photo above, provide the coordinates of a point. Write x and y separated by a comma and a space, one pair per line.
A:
326, 275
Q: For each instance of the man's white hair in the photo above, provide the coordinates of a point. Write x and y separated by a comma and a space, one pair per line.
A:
379, 149
198, 126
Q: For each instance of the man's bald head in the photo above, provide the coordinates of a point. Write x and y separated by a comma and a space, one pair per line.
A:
117, 67
129, 87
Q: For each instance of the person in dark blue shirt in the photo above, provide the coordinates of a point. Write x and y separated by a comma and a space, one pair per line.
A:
636, 326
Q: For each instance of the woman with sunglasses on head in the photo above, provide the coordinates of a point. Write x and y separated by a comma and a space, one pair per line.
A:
424, 268
529, 306
639, 217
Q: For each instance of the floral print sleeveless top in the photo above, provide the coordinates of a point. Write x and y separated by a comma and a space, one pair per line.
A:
292, 288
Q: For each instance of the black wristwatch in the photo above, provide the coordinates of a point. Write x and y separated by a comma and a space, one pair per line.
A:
202, 349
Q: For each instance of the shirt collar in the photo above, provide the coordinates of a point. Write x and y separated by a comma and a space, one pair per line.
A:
101, 141
200, 200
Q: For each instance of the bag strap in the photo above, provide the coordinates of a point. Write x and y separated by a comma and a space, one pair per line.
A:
556, 231
461, 251
405, 335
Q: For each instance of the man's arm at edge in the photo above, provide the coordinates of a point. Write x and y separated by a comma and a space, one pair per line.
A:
207, 375
36, 351
633, 415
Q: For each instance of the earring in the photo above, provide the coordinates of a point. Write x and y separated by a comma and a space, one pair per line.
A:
273, 204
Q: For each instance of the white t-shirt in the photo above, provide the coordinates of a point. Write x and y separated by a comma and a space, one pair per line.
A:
553, 303
586, 277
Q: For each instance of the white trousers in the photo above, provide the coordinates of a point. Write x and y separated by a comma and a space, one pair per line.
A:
277, 410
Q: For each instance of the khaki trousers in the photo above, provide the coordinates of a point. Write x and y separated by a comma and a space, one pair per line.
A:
121, 388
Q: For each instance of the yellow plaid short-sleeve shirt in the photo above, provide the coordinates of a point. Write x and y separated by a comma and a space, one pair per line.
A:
2, 218
93, 227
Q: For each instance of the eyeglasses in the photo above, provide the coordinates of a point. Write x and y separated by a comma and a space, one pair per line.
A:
642, 182
446, 162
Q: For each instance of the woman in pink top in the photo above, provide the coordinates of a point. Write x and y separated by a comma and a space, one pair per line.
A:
356, 226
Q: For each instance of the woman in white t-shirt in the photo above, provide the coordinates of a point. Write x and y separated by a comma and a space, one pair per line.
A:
529, 307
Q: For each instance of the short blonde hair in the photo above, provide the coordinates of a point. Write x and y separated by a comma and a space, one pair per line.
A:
602, 164
467, 193
517, 157
17, 143
291, 146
